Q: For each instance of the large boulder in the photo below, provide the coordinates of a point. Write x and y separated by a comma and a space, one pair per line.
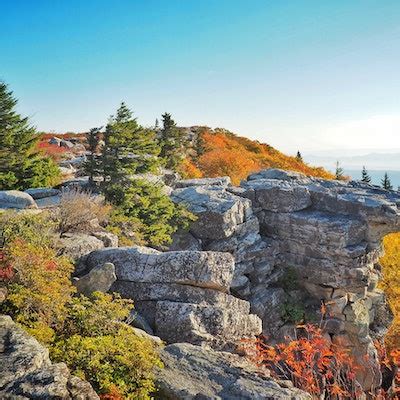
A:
196, 268
77, 246
191, 373
218, 211
26, 371
16, 199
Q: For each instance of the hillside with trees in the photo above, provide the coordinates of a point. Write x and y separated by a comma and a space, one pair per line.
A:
219, 152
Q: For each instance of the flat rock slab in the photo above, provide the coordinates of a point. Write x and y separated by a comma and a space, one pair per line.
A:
40, 193
195, 268
193, 373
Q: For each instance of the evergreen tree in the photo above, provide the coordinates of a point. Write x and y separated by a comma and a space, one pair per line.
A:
21, 166
339, 173
128, 149
91, 166
140, 205
299, 157
386, 184
365, 176
172, 140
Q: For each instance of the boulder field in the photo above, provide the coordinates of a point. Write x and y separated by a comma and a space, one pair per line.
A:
258, 257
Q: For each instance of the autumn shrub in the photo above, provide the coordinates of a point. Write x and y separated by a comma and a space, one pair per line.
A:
390, 283
78, 209
39, 289
311, 362
87, 333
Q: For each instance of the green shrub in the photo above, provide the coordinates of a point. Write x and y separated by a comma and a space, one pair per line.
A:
37, 229
289, 279
155, 215
121, 362
128, 229
292, 312
100, 314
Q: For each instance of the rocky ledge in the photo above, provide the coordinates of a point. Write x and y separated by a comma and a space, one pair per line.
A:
192, 372
298, 241
26, 371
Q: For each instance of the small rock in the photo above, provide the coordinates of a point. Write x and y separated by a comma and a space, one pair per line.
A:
99, 279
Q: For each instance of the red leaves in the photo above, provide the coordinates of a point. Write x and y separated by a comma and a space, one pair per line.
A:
6, 269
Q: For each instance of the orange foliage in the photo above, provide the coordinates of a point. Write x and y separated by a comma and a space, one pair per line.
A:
188, 170
324, 369
227, 154
312, 363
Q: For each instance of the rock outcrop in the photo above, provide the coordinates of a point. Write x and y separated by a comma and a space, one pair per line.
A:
298, 241
26, 371
183, 295
192, 372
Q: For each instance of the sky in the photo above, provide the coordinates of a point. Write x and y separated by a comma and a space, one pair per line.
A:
300, 75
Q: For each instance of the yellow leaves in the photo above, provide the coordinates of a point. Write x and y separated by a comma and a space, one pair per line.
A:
390, 283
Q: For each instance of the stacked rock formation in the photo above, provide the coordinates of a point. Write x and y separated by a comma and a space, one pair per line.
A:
183, 295
324, 237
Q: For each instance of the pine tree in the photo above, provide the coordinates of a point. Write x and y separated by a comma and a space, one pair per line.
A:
21, 166
365, 176
172, 140
128, 149
91, 166
386, 184
299, 157
339, 173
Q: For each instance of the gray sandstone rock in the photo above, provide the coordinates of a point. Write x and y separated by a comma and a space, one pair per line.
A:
16, 199
194, 373
223, 181
77, 246
26, 371
40, 193
138, 264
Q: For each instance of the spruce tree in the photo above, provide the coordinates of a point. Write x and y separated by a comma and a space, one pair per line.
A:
365, 176
128, 149
386, 184
299, 156
339, 173
91, 166
21, 166
172, 140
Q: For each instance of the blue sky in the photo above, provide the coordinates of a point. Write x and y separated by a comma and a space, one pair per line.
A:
313, 75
